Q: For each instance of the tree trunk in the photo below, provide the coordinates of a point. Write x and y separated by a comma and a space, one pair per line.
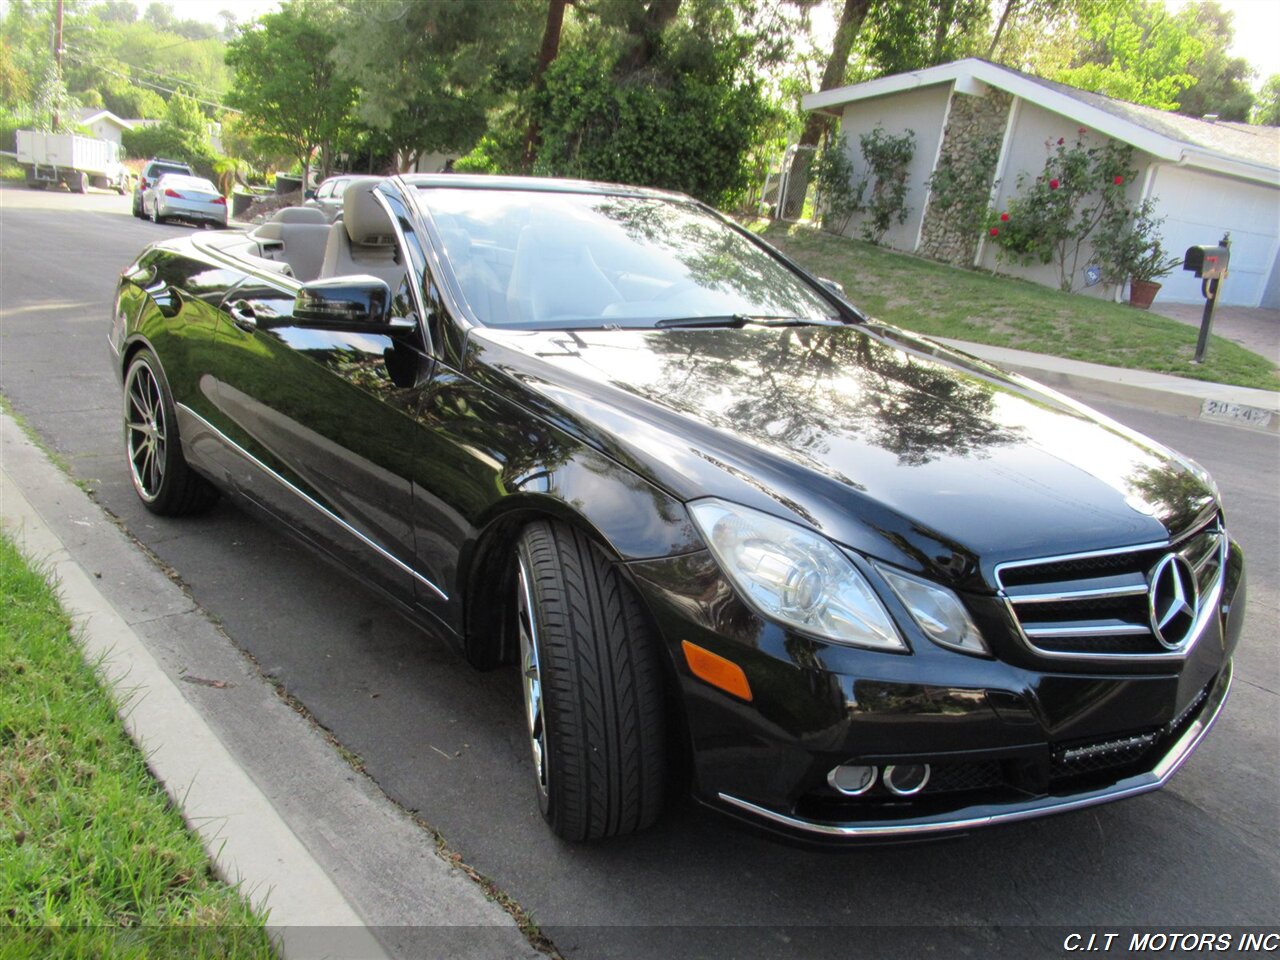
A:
306, 168
817, 124
946, 12
647, 35
1009, 7
547, 54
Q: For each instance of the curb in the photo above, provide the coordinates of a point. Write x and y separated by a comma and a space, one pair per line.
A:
341, 870
1251, 409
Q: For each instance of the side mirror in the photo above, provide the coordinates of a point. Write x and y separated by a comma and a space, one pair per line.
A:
309, 195
358, 304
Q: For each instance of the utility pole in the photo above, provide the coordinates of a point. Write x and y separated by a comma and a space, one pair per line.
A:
57, 61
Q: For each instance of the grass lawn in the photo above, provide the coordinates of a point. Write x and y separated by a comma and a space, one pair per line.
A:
942, 301
11, 169
94, 860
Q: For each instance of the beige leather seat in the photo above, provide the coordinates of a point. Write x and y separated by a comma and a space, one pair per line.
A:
296, 240
300, 215
363, 241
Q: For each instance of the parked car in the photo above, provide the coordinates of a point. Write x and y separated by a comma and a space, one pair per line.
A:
152, 171
178, 197
850, 583
328, 196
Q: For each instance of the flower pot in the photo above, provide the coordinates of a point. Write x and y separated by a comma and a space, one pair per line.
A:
1142, 292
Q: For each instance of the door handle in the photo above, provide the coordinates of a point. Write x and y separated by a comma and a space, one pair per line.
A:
243, 316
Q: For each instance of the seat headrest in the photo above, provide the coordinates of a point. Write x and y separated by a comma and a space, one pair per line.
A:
298, 215
366, 222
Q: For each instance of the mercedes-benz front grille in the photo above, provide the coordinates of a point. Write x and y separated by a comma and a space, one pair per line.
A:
1101, 604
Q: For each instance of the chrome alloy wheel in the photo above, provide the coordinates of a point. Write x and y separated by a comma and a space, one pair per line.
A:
531, 676
145, 430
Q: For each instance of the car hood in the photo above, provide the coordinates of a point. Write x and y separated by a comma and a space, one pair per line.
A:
888, 443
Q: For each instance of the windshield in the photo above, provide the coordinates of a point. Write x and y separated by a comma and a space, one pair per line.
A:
556, 260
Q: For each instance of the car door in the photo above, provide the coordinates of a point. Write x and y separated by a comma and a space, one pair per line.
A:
320, 422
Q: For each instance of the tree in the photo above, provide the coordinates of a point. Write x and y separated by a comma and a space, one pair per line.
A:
287, 84
1135, 50
430, 73
685, 118
1221, 81
1266, 111
915, 34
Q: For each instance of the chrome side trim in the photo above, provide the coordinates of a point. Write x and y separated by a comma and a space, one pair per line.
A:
983, 816
378, 548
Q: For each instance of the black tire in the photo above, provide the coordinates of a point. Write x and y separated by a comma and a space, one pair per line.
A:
153, 450
79, 183
155, 213
593, 687
137, 207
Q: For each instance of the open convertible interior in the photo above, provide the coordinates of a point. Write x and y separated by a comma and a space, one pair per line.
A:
298, 242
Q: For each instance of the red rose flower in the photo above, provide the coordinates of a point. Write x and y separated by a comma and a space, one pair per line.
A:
1004, 218
1061, 141
1118, 180
1053, 184
994, 232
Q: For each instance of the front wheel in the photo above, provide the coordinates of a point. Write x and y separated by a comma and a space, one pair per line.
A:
163, 481
592, 687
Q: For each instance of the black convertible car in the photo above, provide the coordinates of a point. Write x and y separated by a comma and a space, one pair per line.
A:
846, 582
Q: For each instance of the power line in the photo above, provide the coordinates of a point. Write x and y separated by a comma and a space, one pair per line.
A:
90, 54
154, 86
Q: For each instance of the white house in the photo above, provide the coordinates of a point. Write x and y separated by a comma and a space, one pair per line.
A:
1206, 177
103, 124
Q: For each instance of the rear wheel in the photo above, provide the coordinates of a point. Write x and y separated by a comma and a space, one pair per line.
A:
163, 481
592, 687
155, 213
79, 182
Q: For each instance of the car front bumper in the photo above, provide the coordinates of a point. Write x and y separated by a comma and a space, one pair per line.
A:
1003, 741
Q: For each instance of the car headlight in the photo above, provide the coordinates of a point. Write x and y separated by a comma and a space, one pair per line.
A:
795, 577
937, 610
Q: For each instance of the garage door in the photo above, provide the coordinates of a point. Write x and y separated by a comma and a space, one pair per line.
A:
1199, 207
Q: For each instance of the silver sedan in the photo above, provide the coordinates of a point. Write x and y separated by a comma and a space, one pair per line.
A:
179, 197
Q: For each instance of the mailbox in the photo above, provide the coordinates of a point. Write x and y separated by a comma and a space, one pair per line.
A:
1209, 263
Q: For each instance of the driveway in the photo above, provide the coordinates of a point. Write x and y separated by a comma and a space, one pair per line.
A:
448, 743
1251, 327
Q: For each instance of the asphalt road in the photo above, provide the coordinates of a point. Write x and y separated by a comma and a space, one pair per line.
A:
448, 742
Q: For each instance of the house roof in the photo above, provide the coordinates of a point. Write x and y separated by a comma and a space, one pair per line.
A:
87, 115
1233, 148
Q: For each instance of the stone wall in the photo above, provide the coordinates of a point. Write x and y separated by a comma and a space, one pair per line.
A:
970, 151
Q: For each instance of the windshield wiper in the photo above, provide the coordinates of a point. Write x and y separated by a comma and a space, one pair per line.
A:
741, 320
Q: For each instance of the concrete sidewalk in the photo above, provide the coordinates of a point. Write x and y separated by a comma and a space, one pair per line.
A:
1198, 399
342, 870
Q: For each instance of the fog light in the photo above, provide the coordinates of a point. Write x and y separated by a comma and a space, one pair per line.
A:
852, 780
906, 780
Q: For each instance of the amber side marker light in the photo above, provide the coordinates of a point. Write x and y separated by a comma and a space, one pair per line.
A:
716, 670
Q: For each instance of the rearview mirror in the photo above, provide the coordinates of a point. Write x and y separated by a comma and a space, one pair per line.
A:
358, 304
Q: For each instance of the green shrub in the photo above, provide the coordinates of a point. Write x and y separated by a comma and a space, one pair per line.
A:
686, 124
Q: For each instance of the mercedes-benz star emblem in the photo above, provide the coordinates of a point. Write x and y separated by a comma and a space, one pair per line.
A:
1174, 599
